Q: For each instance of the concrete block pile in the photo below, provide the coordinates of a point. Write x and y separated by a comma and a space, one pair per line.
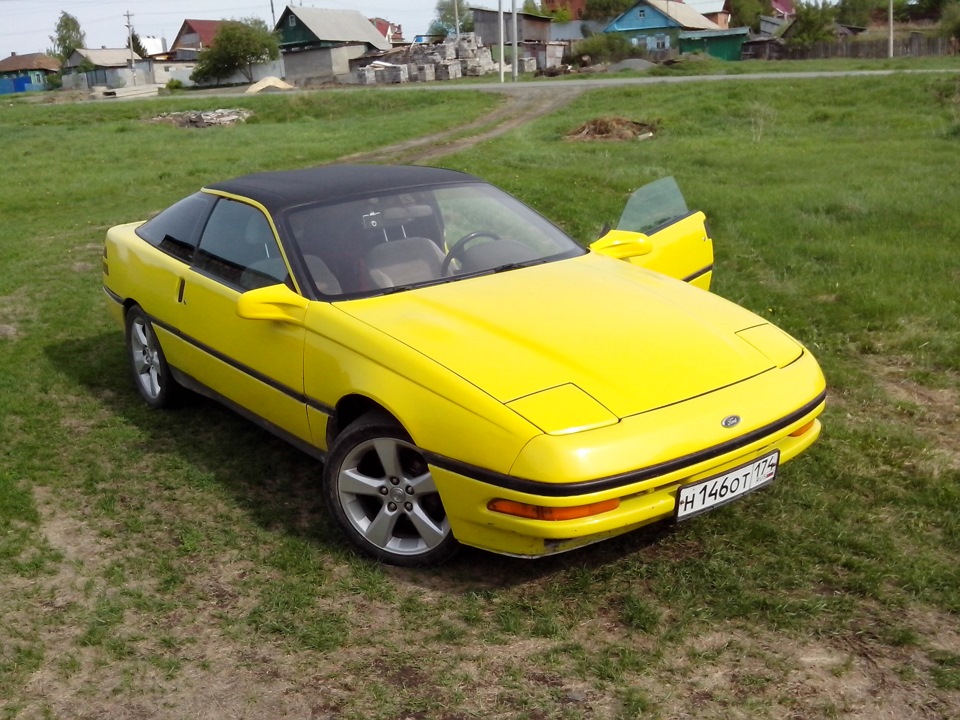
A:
448, 60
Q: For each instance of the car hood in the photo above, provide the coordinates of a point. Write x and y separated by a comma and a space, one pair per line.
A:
631, 339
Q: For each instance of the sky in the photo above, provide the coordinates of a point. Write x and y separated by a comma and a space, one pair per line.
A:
26, 25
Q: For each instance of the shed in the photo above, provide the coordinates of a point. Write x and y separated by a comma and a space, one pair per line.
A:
318, 45
530, 26
26, 73
88, 67
658, 23
723, 44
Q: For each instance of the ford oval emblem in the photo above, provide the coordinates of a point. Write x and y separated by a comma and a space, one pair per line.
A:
730, 421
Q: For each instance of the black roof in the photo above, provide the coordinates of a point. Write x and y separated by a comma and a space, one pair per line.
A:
333, 183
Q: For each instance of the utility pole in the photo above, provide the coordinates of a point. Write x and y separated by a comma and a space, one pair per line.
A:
516, 43
890, 40
456, 16
500, 27
133, 68
273, 15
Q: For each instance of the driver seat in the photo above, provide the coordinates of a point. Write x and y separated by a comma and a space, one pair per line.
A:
406, 261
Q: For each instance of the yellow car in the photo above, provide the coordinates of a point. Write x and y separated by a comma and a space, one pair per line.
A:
467, 373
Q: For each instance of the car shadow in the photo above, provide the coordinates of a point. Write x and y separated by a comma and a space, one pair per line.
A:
278, 485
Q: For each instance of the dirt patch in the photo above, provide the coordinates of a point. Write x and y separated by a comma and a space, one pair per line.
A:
737, 673
935, 412
613, 128
198, 119
518, 110
8, 331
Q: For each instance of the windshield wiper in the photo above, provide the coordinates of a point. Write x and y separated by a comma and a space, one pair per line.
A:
511, 266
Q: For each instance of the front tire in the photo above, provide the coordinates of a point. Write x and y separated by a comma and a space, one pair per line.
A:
148, 366
380, 492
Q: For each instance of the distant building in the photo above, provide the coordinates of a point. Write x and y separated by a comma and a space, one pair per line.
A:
783, 8
719, 11
577, 8
391, 31
107, 67
194, 36
317, 45
26, 73
153, 45
656, 24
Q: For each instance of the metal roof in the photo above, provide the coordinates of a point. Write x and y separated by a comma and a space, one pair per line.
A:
339, 26
709, 6
205, 30
683, 14
105, 57
30, 61
334, 183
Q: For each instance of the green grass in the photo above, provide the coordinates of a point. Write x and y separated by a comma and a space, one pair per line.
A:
178, 561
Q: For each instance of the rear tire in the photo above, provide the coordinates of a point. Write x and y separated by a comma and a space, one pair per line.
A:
148, 366
380, 492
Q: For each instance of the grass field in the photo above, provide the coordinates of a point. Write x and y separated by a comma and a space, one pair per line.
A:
179, 564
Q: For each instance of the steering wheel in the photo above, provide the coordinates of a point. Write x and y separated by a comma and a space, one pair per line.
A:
457, 248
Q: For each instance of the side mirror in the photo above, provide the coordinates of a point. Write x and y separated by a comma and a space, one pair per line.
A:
623, 244
274, 302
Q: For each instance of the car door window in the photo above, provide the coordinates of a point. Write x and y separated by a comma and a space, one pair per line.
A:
176, 229
239, 248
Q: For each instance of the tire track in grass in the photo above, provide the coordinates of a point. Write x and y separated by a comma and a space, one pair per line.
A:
519, 109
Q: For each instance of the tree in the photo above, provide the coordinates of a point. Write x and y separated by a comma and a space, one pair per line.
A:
445, 23
532, 7
812, 23
855, 12
926, 9
134, 42
603, 9
237, 46
950, 21
746, 13
67, 38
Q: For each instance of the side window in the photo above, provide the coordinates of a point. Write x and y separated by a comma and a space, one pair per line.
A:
175, 231
238, 247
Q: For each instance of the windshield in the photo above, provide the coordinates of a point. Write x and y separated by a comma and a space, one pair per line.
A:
408, 239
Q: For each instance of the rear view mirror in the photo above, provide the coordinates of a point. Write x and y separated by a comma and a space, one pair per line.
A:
623, 245
274, 302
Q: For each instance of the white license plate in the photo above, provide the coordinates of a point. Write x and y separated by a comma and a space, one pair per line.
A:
708, 494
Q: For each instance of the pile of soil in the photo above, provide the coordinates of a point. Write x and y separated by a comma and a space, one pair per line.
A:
612, 128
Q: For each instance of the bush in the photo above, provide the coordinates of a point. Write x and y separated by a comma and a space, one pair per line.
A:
605, 48
174, 84
950, 20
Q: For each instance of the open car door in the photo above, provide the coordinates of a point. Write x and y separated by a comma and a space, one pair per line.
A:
659, 232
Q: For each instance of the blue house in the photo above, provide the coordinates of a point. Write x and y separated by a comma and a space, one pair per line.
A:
24, 73
656, 24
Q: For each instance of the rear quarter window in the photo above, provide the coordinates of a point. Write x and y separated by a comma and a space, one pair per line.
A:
176, 230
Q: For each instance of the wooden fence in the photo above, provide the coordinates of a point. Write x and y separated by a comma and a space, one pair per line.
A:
915, 45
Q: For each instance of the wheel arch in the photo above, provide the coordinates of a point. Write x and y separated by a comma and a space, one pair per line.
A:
351, 407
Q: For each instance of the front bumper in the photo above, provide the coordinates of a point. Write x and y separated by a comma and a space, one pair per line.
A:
693, 446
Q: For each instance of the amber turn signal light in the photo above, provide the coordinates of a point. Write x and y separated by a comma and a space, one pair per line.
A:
537, 512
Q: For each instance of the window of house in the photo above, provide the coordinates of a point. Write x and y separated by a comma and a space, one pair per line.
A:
641, 13
292, 21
